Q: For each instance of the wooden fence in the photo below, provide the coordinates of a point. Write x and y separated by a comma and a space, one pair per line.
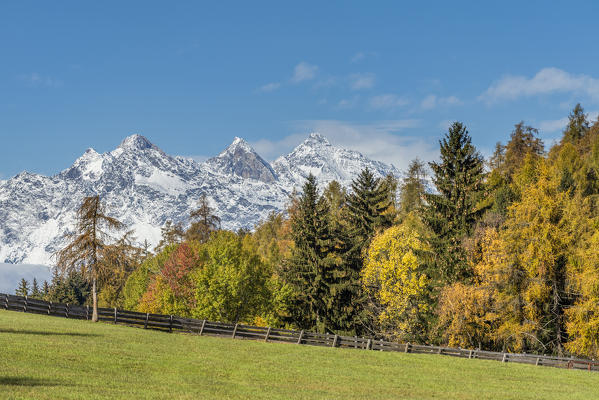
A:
173, 323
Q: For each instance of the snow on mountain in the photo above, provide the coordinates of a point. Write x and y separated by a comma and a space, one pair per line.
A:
240, 159
318, 157
144, 187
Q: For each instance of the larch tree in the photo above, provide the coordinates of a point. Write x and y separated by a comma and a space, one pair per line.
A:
86, 250
204, 221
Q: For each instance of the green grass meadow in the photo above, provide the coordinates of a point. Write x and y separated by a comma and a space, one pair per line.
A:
44, 357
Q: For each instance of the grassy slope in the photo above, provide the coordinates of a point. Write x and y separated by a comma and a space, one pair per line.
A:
45, 357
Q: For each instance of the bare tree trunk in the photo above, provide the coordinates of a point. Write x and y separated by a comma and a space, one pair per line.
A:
95, 301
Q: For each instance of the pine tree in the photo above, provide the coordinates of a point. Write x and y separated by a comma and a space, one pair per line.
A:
578, 125
367, 206
452, 212
85, 252
309, 269
35, 289
23, 289
204, 222
45, 290
413, 188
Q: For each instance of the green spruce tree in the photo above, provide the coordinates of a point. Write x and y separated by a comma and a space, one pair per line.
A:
309, 269
35, 289
452, 212
23, 289
578, 125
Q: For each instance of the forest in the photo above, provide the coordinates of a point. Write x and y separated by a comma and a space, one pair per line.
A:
498, 254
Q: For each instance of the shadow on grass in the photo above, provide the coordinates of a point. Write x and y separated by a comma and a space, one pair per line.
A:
45, 333
26, 381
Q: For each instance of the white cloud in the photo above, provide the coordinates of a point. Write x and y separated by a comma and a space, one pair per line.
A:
553, 125
361, 81
348, 103
546, 81
384, 140
388, 101
304, 72
431, 101
557, 125
270, 87
35, 79
358, 57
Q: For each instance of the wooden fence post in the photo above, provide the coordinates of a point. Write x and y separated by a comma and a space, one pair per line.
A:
538, 361
6, 301
504, 358
299, 340
407, 349
115, 315
170, 324
25, 305
368, 344
67, 311
234, 331
146, 322
335, 340
202, 328
87, 312
267, 334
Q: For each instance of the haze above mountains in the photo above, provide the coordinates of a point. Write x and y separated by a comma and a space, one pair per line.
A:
144, 187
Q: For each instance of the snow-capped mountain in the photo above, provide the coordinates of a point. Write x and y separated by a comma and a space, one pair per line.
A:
144, 187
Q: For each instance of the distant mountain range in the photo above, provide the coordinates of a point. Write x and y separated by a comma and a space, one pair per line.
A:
144, 187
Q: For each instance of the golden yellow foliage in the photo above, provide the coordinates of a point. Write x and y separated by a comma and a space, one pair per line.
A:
393, 275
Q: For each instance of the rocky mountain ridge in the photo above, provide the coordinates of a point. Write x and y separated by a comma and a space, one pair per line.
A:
144, 187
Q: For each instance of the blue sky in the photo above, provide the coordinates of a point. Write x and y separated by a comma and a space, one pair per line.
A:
381, 77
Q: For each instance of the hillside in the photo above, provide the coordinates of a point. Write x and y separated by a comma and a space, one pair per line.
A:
48, 358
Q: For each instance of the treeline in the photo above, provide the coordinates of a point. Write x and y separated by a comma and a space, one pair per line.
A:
500, 254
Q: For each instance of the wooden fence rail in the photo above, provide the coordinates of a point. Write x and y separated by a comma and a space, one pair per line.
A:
173, 323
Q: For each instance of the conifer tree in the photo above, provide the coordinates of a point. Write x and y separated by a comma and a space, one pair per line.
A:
578, 125
171, 233
23, 289
367, 204
413, 188
45, 290
85, 252
310, 266
451, 213
204, 222
35, 289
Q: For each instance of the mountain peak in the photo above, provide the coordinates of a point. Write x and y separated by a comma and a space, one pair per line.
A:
136, 141
240, 159
316, 138
238, 144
